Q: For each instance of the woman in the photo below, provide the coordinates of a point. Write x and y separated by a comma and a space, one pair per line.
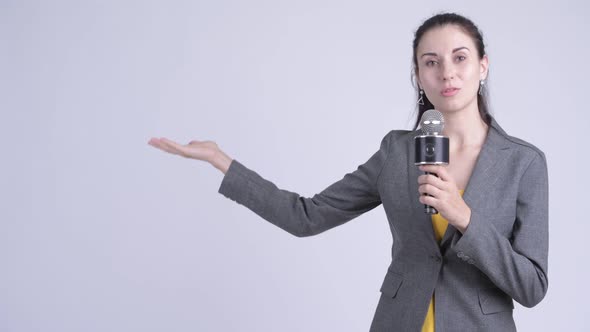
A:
458, 270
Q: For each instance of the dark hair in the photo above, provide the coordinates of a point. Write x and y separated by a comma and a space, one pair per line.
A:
470, 29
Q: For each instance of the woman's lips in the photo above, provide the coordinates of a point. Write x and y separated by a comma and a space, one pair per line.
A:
450, 92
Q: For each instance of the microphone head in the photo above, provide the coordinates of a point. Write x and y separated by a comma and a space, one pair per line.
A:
432, 122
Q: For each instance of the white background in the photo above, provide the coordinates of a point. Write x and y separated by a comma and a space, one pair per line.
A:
101, 232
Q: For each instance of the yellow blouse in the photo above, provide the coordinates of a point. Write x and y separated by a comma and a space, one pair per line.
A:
439, 224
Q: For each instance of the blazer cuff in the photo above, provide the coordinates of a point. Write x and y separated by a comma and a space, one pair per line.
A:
235, 182
467, 246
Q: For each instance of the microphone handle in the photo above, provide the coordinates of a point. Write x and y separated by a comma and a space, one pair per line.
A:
427, 208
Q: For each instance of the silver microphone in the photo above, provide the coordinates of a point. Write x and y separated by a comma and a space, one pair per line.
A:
431, 148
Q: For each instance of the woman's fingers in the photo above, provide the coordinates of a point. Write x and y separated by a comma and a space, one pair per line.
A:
178, 149
160, 144
429, 200
431, 179
435, 184
155, 142
429, 189
439, 170
200, 150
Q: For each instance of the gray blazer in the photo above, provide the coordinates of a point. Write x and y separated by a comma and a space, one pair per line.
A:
474, 276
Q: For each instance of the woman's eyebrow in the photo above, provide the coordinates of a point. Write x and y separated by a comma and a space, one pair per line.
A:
455, 50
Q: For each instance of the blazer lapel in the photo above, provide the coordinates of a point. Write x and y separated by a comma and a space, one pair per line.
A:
488, 166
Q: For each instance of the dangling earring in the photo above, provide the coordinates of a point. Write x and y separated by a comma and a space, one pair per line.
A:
481, 84
421, 99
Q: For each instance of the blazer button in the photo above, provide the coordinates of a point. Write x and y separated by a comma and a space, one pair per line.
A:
460, 254
471, 261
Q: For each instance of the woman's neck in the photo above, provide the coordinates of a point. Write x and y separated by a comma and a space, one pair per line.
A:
465, 130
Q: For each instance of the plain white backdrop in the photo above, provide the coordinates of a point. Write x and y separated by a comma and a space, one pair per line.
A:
101, 232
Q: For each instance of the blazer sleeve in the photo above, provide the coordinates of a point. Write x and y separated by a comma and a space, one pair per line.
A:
353, 195
517, 265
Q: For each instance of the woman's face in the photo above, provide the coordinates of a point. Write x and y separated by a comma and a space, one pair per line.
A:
449, 69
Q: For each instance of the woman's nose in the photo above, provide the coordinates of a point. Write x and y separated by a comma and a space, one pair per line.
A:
448, 72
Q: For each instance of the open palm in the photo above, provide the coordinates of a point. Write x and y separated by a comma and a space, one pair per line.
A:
200, 150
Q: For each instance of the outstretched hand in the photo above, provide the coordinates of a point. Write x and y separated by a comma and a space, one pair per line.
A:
201, 150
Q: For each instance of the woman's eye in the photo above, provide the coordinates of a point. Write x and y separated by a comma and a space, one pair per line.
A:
461, 57
430, 63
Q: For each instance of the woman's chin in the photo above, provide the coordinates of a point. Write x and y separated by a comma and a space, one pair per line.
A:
450, 107
447, 109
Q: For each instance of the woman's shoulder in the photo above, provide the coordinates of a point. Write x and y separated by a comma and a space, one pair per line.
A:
400, 135
514, 142
397, 139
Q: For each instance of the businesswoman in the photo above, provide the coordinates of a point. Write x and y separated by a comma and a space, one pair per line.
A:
458, 270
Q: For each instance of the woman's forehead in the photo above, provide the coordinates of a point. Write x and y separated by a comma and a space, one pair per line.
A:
444, 39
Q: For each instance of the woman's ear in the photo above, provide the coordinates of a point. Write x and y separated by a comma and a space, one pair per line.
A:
483, 67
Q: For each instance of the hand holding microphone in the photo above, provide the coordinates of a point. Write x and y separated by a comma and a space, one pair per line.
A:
431, 148
432, 152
